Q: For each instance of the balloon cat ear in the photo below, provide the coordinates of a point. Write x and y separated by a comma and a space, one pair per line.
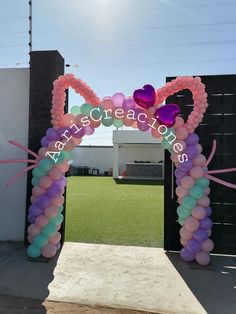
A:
59, 97
197, 89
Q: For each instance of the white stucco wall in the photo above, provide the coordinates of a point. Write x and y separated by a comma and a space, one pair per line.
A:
140, 152
14, 98
94, 157
134, 145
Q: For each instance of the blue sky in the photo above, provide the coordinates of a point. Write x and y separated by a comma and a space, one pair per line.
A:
120, 45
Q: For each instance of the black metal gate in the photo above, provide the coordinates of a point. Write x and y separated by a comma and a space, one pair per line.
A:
219, 123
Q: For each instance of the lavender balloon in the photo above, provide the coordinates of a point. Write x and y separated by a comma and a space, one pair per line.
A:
180, 173
193, 246
200, 235
192, 139
191, 151
206, 223
186, 255
128, 103
186, 166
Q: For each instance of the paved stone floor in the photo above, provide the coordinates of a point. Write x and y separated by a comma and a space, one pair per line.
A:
144, 279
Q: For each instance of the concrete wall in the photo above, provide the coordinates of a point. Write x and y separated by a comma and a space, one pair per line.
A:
14, 95
100, 157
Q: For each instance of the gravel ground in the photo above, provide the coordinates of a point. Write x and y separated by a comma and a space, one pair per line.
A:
16, 305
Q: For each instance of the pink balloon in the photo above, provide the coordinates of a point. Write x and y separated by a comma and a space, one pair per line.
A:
58, 201
196, 172
180, 200
203, 258
208, 245
199, 148
49, 250
30, 239
183, 241
64, 166
42, 221
77, 141
185, 233
181, 191
51, 211
174, 157
33, 230
179, 122
55, 173
58, 227
33, 199
55, 239
69, 145
45, 182
42, 152
204, 201
38, 191
198, 212
191, 223
187, 182
199, 160
68, 119
107, 103
181, 133
52, 146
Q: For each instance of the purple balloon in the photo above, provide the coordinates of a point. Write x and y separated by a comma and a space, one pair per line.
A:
145, 97
43, 201
179, 174
208, 211
193, 246
31, 218
78, 134
166, 114
178, 181
64, 130
192, 139
137, 111
44, 141
54, 191
88, 130
118, 99
206, 223
58, 245
143, 126
35, 211
186, 165
200, 235
60, 183
186, 255
128, 103
191, 151
51, 134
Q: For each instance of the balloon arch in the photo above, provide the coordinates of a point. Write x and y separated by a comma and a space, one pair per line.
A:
144, 111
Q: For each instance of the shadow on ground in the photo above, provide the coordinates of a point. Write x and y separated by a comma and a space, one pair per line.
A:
214, 286
22, 277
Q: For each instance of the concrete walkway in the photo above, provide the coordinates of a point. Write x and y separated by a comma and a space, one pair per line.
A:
124, 277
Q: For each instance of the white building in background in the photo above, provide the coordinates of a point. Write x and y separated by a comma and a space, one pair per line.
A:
137, 154
134, 154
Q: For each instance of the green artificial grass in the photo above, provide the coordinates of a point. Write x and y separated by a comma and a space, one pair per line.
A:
100, 211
